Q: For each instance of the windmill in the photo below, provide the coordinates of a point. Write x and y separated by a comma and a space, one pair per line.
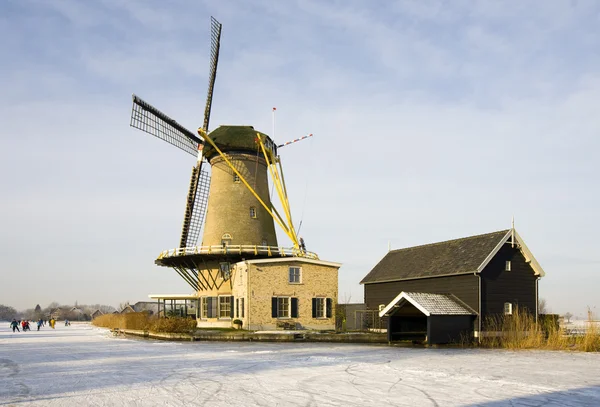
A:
234, 199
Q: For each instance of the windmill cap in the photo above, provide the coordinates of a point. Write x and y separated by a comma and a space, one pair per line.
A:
234, 138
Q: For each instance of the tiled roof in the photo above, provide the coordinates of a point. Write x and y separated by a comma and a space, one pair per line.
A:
457, 256
430, 304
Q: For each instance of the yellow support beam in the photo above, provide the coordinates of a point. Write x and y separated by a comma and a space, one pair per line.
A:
293, 230
280, 191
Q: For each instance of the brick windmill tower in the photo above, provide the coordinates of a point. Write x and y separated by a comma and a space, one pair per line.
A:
240, 275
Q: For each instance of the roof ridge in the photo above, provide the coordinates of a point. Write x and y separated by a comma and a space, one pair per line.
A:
450, 240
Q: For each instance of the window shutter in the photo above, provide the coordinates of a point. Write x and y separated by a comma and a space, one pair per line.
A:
329, 306
231, 302
294, 307
242, 306
209, 307
314, 307
214, 307
274, 307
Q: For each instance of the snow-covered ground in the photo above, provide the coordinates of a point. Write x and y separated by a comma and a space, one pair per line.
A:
85, 366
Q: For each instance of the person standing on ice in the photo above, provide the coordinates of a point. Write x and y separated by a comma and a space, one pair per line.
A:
40, 323
15, 325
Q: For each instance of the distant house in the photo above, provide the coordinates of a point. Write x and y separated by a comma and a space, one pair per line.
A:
97, 313
472, 278
127, 309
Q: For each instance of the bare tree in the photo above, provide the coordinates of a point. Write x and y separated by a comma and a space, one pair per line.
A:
7, 313
568, 317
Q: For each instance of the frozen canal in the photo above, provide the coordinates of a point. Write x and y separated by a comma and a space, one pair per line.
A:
85, 366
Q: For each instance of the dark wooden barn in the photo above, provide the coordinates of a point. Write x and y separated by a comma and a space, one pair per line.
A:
491, 274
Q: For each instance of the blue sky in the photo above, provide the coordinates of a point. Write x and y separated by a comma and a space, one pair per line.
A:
432, 120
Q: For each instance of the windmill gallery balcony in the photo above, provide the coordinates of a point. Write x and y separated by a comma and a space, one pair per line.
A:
167, 257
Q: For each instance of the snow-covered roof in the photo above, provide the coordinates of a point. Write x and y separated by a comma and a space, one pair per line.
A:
429, 304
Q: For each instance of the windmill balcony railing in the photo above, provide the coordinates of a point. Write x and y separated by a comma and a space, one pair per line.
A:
270, 251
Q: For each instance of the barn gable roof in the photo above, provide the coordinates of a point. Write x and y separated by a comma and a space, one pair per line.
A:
429, 304
453, 257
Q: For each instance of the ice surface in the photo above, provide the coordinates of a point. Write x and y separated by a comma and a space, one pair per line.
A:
85, 366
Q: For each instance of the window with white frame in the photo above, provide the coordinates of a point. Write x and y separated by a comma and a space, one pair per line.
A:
208, 307
508, 308
322, 307
319, 307
225, 306
253, 212
507, 265
283, 307
236, 178
226, 239
203, 308
295, 275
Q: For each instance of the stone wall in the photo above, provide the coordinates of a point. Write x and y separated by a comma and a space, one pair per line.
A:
271, 279
258, 281
230, 201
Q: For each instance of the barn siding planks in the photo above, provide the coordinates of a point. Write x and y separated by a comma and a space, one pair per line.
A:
499, 286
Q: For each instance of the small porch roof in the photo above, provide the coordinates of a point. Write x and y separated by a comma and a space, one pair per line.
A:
173, 296
429, 304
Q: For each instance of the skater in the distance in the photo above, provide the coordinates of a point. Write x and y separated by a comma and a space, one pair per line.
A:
15, 325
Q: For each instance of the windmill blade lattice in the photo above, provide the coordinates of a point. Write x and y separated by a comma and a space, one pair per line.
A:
195, 207
149, 119
197, 198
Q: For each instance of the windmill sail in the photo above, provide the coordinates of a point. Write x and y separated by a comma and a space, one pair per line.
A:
195, 208
215, 45
199, 183
149, 119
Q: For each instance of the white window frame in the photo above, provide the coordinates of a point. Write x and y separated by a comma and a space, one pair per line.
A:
281, 308
226, 239
236, 178
508, 308
507, 265
290, 275
253, 212
203, 307
219, 310
323, 302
